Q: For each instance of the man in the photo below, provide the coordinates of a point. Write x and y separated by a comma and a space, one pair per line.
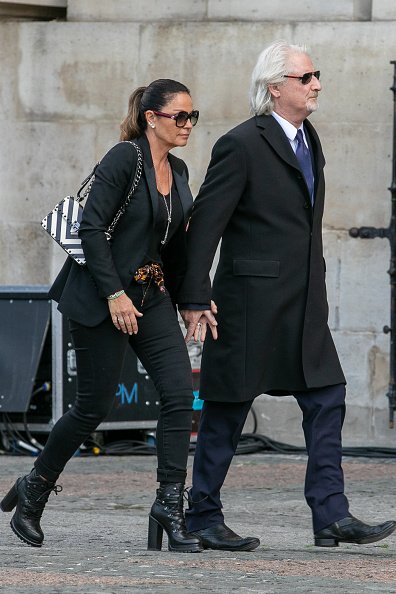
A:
263, 195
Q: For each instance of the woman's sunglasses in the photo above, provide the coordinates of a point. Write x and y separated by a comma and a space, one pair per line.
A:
305, 78
180, 118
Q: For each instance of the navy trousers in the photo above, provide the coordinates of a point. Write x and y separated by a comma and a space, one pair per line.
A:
219, 432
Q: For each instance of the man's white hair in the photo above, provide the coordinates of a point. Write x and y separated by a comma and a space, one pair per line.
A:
270, 69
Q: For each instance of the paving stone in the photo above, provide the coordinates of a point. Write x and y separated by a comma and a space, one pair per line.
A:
96, 532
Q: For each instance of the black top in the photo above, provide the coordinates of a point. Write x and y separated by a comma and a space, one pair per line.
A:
160, 224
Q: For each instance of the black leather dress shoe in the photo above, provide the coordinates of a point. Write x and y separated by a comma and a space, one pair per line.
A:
351, 529
221, 537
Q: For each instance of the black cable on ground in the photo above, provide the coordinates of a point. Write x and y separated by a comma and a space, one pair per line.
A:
250, 443
253, 413
14, 442
124, 447
30, 437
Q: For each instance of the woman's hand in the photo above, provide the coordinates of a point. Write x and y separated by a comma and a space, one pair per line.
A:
124, 314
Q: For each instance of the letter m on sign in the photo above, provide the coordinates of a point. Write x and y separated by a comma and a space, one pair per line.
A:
127, 397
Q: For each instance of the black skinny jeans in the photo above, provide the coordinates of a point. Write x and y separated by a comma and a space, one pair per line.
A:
100, 352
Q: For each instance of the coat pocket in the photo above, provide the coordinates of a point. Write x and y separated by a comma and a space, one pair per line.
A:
270, 268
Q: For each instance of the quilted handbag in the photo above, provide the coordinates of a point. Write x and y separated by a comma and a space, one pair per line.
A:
63, 222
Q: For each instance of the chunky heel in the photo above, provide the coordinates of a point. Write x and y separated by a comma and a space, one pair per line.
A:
326, 542
29, 495
155, 533
10, 500
167, 514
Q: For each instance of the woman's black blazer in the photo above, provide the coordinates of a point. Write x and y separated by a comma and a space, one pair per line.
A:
81, 291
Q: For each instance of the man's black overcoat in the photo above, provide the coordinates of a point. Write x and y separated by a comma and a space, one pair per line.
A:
270, 282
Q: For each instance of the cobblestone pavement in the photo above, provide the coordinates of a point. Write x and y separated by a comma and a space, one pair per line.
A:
96, 533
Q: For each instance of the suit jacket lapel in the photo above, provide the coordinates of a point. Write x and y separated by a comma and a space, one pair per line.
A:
149, 173
179, 176
181, 182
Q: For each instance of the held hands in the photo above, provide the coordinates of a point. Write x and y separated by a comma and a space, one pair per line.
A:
124, 314
196, 323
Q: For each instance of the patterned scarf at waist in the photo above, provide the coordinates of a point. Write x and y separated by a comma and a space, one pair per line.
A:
149, 273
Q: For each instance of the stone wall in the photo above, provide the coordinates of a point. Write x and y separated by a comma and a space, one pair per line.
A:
64, 89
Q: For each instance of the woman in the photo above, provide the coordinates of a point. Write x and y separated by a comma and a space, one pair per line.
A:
125, 295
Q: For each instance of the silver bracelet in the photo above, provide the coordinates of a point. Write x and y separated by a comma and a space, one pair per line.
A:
115, 295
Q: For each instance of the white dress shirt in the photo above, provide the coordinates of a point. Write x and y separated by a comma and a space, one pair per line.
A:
290, 130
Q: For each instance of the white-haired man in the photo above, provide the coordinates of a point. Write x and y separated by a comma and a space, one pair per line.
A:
263, 195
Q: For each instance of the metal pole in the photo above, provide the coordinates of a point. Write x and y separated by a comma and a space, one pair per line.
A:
389, 233
392, 270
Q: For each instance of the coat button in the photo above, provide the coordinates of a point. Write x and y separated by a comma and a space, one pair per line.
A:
306, 204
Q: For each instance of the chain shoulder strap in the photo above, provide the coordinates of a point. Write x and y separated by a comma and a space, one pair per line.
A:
86, 186
135, 183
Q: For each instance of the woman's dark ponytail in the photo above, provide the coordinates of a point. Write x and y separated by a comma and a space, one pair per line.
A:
153, 97
133, 125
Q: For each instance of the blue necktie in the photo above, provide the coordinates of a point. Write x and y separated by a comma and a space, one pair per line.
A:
304, 158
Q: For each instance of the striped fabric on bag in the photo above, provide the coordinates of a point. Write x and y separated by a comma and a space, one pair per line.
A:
63, 224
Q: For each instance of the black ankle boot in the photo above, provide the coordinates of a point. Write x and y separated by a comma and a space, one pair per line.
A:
29, 494
167, 514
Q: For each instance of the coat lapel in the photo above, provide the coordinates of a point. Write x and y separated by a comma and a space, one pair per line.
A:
316, 149
273, 133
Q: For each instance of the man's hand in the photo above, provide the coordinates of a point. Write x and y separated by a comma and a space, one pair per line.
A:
196, 322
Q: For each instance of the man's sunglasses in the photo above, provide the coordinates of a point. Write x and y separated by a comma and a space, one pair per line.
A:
305, 78
180, 118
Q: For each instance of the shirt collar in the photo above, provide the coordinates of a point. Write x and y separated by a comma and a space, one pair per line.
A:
288, 128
